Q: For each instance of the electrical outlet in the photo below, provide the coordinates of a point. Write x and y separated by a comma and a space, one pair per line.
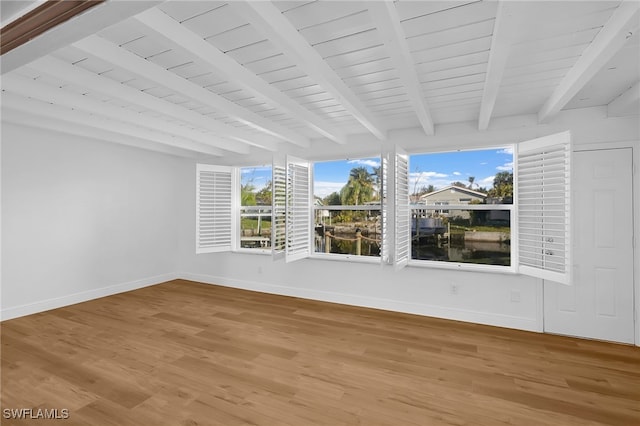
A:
515, 296
453, 288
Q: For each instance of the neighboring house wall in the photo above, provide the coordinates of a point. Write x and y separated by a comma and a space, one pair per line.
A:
451, 195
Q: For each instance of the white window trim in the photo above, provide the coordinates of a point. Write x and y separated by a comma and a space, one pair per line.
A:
238, 224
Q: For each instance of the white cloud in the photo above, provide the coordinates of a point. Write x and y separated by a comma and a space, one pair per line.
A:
484, 163
457, 173
486, 182
506, 167
419, 179
508, 151
322, 189
370, 163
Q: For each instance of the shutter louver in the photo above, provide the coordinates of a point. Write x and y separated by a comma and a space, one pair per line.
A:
402, 228
544, 201
279, 220
298, 209
214, 208
384, 213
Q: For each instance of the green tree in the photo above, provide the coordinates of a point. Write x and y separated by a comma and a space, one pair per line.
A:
472, 179
359, 187
332, 199
264, 196
502, 185
248, 194
458, 184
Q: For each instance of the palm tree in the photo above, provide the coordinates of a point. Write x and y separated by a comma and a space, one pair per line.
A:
359, 187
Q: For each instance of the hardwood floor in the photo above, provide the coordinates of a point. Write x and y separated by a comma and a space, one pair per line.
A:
184, 353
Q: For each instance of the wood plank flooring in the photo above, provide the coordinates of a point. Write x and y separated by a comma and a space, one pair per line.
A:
184, 353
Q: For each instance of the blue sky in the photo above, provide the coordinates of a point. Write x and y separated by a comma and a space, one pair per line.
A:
438, 170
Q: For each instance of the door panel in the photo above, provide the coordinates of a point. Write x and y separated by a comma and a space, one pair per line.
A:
600, 303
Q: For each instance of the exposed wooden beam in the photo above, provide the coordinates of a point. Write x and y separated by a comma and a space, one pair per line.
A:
44, 17
503, 36
34, 89
172, 31
11, 116
627, 103
270, 22
133, 63
388, 24
91, 21
97, 84
73, 116
619, 28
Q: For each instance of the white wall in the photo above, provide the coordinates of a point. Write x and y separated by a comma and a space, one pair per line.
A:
82, 219
482, 297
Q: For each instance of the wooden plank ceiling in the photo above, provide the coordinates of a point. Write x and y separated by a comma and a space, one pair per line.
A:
217, 78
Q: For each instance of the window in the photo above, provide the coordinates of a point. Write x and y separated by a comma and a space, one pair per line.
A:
477, 189
347, 216
532, 236
506, 208
255, 213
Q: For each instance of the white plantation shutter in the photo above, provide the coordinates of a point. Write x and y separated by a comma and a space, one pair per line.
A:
543, 195
402, 225
214, 208
279, 209
384, 212
298, 210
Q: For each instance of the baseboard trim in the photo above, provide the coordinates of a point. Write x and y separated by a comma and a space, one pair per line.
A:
498, 320
83, 296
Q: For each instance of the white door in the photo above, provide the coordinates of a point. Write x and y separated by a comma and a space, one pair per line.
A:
599, 304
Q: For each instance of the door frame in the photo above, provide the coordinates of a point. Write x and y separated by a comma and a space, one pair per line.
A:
635, 185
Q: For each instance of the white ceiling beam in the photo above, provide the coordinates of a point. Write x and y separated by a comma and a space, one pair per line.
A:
271, 23
387, 21
11, 116
31, 88
504, 29
625, 104
91, 21
139, 66
94, 83
173, 32
614, 34
73, 116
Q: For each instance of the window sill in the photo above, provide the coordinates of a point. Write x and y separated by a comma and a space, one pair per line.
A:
261, 252
346, 258
468, 267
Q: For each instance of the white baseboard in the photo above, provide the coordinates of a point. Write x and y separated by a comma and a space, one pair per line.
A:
498, 320
83, 296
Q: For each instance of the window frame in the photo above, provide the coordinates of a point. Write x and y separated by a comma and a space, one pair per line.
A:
237, 238
438, 207
553, 156
365, 207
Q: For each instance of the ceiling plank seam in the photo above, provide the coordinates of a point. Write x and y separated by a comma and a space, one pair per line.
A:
270, 22
614, 34
172, 31
387, 21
